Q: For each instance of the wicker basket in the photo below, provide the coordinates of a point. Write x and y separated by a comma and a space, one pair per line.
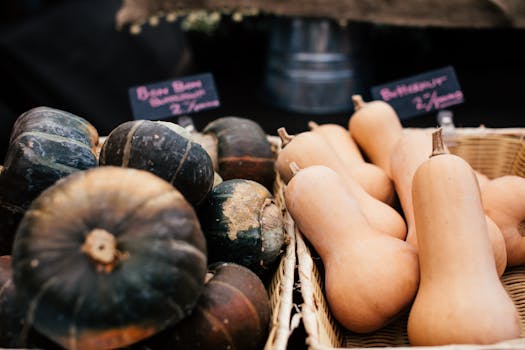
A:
494, 152
281, 286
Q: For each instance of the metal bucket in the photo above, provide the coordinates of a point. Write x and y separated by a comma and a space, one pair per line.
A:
309, 66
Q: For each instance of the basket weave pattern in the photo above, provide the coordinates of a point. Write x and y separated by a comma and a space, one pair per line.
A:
493, 152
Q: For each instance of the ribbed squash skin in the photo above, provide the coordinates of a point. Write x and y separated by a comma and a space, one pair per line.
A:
46, 144
162, 149
87, 290
233, 312
243, 150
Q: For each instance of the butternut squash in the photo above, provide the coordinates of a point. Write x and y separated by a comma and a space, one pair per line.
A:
376, 128
503, 203
460, 297
370, 277
412, 150
369, 176
308, 148
482, 179
497, 242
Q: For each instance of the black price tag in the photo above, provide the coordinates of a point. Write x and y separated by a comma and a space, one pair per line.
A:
422, 93
169, 98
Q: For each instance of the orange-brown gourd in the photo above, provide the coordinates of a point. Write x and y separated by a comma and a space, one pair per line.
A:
308, 148
376, 128
503, 201
499, 248
411, 150
460, 297
371, 177
370, 277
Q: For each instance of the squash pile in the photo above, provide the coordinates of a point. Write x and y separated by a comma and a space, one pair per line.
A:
129, 243
432, 239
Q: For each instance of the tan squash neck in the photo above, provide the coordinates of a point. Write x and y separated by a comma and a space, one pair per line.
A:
438, 146
101, 246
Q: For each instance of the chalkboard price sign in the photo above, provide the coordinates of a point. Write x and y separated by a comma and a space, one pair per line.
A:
422, 93
169, 98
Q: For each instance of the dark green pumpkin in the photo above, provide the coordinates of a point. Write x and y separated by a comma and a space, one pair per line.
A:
162, 149
243, 224
14, 330
107, 257
12, 314
233, 312
244, 151
46, 144
52, 121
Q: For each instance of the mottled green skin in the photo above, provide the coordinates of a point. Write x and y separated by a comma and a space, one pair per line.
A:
154, 147
55, 122
229, 241
154, 283
39, 160
46, 145
14, 331
11, 313
243, 150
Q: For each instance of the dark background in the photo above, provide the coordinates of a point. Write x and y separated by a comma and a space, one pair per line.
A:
69, 55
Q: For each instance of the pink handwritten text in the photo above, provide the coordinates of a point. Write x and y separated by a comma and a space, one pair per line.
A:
191, 106
143, 93
402, 90
429, 101
181, 86
157, 102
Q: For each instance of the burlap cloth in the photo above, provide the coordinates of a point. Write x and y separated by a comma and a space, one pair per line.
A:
438, 13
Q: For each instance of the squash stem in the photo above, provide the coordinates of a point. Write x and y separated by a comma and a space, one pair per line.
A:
358, 101
101, 246
438, 147
312, 125
285, 137
294, 168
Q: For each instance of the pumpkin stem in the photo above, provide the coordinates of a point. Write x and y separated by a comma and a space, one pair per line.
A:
285, 137
438, 147
101, 246
208, 277
294, 167
358, 102
312, 125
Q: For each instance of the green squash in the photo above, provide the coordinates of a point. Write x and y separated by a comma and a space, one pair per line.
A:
165, 150
46, 144
107, 257
243, 224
